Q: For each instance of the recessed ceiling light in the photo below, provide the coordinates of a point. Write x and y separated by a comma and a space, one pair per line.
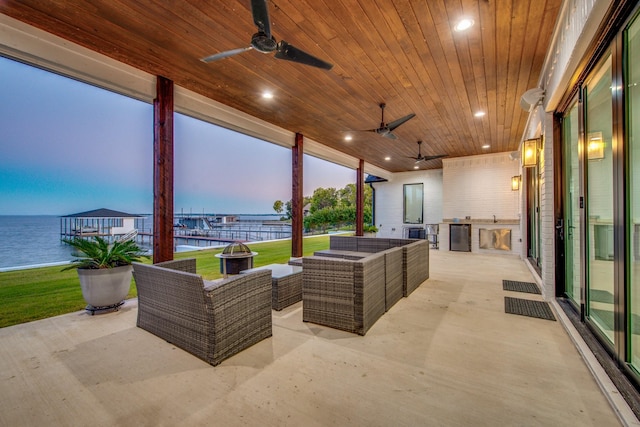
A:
463, 24
485, 146
267, 95
416, 167
348, 138
387, 158
479, 113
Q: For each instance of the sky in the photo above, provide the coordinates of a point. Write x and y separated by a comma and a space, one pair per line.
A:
68, 147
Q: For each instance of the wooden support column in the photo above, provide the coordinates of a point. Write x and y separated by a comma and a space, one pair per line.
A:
297, 152
360, 199
163, 171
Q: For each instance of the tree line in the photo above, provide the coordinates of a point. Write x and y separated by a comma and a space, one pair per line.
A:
330, 208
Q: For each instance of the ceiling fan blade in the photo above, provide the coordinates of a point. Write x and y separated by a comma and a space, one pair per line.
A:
439, 156
398, 122
292, 53
383, 131
260, 12
225, 54
376, 130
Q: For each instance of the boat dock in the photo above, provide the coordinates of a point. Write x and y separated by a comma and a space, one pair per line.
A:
146, 239
191, 230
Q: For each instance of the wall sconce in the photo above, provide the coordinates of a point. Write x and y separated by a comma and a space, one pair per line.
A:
595, 146
515, 183
529, 153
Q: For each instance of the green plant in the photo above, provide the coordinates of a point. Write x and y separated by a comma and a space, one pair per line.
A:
99, 253
370, 228
42, 292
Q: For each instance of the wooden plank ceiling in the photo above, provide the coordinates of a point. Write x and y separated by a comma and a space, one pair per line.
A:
404, 53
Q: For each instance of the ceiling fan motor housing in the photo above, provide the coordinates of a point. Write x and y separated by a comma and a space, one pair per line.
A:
262, 43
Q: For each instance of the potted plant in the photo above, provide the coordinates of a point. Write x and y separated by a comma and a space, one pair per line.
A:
104, 270
370, 230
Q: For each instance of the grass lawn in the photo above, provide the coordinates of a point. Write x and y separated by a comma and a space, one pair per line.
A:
39, 293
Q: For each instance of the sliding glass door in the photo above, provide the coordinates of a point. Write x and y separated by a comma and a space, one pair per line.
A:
599, 173
533, 214
599, 217
572, 190
633, 193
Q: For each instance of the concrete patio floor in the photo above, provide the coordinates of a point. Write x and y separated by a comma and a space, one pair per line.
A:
448, 355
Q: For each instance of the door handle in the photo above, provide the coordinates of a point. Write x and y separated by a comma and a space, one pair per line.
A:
560, 228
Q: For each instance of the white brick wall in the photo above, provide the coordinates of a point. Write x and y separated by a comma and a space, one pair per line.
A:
547, 232
478, 187
576, 27
389, 201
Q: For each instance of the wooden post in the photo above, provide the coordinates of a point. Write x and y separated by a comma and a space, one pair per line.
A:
297, 152
163, 171
360, 199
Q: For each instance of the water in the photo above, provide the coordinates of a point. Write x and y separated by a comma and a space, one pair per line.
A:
31, 240
27, 240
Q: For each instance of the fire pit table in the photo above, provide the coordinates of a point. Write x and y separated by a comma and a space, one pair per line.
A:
234, 258
286, 281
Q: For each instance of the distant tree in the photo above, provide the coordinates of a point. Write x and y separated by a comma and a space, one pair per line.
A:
288, 207
329, 207
323, 198
348, 195
278, 206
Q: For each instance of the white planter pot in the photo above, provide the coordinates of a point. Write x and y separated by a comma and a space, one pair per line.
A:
105, 287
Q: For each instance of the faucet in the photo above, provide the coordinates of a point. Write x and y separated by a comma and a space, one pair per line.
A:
494, 219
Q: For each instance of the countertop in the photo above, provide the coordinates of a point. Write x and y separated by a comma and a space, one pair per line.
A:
484, 221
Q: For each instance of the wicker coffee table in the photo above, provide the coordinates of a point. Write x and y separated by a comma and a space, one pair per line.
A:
286, 283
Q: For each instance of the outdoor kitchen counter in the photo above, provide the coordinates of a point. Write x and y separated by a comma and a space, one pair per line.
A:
479, 226
487, 221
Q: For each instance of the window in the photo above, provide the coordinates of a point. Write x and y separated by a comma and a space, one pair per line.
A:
413, 203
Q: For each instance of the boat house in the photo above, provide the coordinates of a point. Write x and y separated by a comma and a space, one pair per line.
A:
102, 222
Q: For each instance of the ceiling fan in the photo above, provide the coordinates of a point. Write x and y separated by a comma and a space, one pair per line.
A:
386, 129
420, 157
264, 42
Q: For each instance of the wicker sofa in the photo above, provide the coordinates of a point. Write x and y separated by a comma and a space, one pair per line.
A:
352, 292
415, 255
211, 320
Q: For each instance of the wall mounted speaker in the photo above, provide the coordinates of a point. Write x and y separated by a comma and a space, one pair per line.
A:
530, 98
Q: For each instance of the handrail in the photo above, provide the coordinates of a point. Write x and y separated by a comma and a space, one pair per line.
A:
128, 236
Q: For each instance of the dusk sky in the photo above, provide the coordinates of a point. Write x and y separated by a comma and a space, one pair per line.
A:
68, 147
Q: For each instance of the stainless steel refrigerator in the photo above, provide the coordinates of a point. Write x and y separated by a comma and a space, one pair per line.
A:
460, 237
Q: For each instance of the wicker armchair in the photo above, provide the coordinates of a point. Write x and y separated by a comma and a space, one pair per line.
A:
211, 320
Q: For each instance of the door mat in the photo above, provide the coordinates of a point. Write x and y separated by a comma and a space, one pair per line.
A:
513, 285
526, 307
